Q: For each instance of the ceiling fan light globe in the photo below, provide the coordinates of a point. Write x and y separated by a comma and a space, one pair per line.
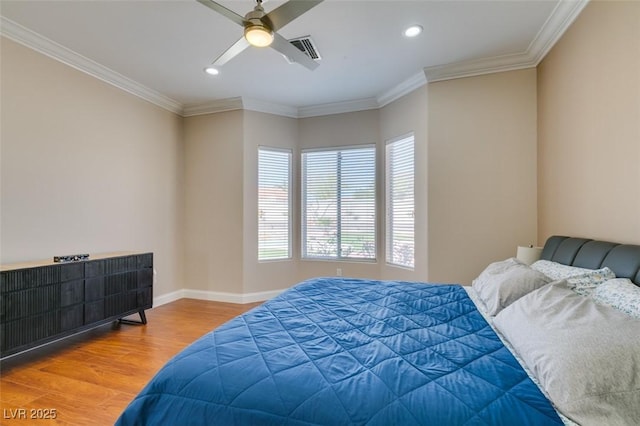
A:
258, 35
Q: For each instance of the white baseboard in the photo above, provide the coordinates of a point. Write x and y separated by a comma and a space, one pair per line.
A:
168, 298
217, 296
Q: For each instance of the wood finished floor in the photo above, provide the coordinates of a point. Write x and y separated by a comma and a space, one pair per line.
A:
89, 379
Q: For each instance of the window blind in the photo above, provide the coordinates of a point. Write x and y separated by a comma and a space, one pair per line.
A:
274, 204
339, 203
400, 203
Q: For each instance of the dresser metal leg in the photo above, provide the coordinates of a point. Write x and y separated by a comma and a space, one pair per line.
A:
143, 319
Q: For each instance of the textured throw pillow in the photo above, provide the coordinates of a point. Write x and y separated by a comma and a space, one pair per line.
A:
585, 356
585, 283
502, 283
557, 271
620, 294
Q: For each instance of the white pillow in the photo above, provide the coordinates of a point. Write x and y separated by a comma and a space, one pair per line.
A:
557, 271
502, 283
619, 293
497, 267
585, 356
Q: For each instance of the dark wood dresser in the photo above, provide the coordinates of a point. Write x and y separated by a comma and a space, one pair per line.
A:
44, 301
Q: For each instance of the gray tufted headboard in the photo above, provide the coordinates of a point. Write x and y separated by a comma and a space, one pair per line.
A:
623, 259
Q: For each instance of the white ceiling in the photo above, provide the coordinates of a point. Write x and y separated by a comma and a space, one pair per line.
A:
158, 49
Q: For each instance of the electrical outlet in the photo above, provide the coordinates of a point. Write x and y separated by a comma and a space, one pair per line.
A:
339, 272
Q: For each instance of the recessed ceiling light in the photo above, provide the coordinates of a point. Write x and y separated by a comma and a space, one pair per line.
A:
211, 71
413, 31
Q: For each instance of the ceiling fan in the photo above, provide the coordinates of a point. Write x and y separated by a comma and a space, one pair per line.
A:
260, 29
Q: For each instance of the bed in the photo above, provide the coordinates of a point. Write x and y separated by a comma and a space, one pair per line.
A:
511, 349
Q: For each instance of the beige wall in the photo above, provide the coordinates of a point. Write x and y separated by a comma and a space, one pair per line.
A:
482, 172
589, 127
221, 191
86, 167
139, 178
408, 114
502, 160
221, 229
276, 132
213, 227
355, 128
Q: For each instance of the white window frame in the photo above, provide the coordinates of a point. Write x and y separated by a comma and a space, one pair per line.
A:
390, 241
289, 153
303, 236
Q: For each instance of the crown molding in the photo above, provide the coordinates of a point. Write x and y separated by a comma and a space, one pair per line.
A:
338, 108
269, 107
39, 43
221, 105
239, 103
560, 19
250, 104
563, 15
407, 86
558, 22
478, 67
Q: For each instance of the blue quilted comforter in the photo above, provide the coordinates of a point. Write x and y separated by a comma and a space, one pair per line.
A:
347, 351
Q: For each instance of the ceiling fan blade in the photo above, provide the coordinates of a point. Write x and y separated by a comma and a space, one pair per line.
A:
231, 52
281, 16
224, 11
283, 46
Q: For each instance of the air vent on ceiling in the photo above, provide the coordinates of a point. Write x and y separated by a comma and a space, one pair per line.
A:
306, 45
